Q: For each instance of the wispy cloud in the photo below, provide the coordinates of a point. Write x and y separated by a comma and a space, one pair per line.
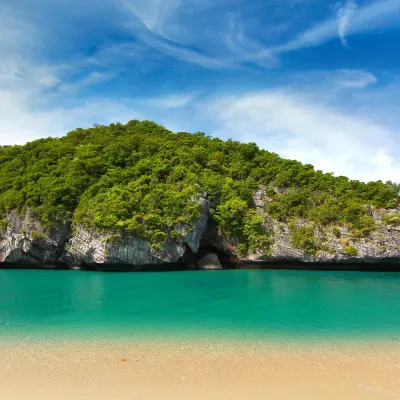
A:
92, 78
156, 24
330, 82
186, 54
344, 16
199, 32
170, 101
153, 14
353, 79
168, 27
376, 15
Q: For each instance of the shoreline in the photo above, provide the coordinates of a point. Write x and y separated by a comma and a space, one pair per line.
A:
227, 338
343, 265
175, 370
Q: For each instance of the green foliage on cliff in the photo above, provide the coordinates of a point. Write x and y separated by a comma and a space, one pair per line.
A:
143, 179
392, 219
304, 238
3, 225
350, 251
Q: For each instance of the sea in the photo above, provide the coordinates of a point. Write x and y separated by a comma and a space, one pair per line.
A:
271, 306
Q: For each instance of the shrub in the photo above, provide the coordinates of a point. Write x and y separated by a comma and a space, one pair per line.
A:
364, 227
324, 214
270, 192
3, 224
336, 232
392, 219
36, 235
254, 234
350, 251
303, 238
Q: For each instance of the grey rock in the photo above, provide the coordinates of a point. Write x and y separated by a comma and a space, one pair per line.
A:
93, 248
26, 241
260, 198
209, 262
88, 246
193, 235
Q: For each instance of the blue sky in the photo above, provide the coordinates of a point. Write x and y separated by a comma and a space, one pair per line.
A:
312, 80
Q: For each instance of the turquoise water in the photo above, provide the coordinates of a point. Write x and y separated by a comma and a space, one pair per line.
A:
244, 304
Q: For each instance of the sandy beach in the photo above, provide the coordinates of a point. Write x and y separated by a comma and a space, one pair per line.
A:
116, 371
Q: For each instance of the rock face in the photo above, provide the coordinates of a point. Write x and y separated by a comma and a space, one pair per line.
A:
382, 243
201, 244
209, 262
94, 247
26, 241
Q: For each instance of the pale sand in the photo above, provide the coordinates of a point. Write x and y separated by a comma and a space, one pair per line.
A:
197, 371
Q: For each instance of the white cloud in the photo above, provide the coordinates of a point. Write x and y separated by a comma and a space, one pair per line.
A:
30, 104
344, 15
21, 120
291, 125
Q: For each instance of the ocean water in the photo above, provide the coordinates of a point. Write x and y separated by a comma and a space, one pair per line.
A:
210, 305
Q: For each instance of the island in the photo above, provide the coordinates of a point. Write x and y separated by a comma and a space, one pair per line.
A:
140, 197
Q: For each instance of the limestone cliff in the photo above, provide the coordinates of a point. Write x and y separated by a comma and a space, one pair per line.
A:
332, 243
201, 245
26, 241
95, 247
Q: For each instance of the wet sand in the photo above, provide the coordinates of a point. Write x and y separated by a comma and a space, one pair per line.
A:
157, 370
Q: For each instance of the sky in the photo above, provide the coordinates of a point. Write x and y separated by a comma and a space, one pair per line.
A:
313, 80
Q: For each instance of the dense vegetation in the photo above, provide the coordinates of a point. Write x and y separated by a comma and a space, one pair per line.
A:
141, 178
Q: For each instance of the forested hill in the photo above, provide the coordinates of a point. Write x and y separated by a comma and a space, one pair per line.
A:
140, 179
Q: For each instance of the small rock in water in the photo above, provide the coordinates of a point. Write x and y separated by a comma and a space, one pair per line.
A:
210, 261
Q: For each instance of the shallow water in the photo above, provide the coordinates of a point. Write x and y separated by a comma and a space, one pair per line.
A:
260, 305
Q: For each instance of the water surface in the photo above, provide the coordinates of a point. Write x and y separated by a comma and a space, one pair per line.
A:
262, 305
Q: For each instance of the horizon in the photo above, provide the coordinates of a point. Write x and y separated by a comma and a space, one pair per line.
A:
311, 81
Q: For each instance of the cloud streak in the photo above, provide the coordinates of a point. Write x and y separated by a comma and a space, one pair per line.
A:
380, 14
353, 79
153, 14
344, 16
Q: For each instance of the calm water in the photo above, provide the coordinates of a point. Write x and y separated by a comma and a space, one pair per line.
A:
244, 304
